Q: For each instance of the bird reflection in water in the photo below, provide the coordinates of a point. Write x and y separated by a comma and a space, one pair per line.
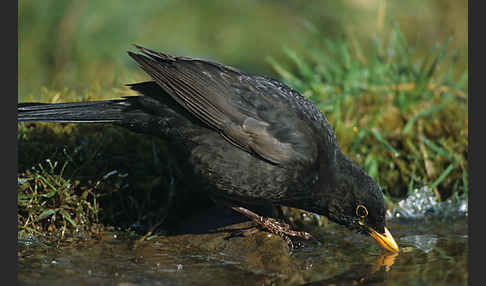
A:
362, 273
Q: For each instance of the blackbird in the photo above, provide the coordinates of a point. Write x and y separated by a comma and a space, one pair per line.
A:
250, 138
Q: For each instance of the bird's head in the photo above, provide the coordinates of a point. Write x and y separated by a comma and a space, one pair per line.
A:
356, 201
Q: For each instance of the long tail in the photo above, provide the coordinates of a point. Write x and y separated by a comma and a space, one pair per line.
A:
154, 112
108, 111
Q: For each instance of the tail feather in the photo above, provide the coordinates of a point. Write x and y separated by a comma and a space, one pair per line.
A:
107, 111
154, 112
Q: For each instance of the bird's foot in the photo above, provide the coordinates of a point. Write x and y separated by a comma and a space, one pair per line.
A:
281, 229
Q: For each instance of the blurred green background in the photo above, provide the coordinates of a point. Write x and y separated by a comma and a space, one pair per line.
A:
80, 44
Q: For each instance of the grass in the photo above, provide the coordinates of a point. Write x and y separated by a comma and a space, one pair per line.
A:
75, 179
401, 116
82, 43
55, 207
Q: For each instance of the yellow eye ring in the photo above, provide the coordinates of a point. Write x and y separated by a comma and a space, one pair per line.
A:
361, 211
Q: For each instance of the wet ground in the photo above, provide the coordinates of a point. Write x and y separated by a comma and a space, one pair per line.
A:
433, 252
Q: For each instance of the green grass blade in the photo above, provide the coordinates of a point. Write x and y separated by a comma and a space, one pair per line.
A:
443, 176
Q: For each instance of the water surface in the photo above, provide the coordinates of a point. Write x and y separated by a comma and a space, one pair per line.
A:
433, 252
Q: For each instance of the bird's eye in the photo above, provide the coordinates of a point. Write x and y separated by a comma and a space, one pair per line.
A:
361, 211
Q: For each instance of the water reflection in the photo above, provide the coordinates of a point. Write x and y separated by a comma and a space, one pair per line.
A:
362, 273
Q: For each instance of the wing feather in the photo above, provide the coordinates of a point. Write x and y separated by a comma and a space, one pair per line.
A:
208, 90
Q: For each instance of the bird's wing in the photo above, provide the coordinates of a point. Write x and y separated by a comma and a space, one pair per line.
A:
251, 114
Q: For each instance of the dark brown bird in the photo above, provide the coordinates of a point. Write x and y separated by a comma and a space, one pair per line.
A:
251, 138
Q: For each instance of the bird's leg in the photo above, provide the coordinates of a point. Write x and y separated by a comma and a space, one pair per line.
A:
281, 229
281, 215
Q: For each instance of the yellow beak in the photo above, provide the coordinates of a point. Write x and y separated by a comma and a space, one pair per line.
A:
385, 240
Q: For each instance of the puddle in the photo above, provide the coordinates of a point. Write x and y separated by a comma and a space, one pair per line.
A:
434, 251
431, 253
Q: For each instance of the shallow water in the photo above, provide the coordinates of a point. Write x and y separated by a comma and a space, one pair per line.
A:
433, 252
